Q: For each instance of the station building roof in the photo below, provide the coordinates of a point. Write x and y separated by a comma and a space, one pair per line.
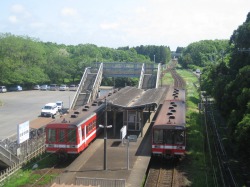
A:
132, 98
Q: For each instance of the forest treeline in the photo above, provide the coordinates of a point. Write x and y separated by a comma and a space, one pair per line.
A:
225, 76
28, 61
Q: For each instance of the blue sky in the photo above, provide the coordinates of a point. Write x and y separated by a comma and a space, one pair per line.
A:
117, 23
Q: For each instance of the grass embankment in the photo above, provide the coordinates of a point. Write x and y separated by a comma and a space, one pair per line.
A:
28, 176
194, 163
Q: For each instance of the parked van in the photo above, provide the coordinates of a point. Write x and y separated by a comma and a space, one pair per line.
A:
50, 109
59, 105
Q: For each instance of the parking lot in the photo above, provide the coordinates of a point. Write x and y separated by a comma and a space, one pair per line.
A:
18, 107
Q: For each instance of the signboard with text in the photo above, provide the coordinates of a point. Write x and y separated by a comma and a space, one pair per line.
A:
23, 132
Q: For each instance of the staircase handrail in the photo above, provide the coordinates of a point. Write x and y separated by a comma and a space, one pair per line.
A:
141, 76
80, 87
158, 76
97, 81
7, 154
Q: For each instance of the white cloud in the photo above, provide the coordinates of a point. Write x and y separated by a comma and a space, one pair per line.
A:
37, 25
68, 11
13, 19
108, 26
17, 8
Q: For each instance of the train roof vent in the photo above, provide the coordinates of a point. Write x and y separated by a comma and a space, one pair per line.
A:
74, 116
174, 105
85, 109
175, 97
86, 106
171, 107
176, 90
173, 110
94, 104
169, 113
76, 112
64, 120
172, 117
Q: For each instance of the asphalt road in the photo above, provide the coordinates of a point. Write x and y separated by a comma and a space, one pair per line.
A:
18, 107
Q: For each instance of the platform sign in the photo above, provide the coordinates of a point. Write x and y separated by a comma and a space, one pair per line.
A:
132, 138
23, 132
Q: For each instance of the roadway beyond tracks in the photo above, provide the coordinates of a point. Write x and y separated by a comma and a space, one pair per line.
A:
18, 107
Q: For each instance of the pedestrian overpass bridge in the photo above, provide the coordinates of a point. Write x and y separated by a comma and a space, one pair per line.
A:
148, 74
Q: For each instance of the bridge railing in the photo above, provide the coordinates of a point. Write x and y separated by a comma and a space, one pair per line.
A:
97, 82
158, 76
8, 155
79, 87
141, 77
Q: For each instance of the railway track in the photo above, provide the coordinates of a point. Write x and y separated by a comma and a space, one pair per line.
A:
223, 176
178, 80
161, 173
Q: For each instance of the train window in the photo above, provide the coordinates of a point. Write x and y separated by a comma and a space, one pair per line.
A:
91, 125
158, 136
52, 135
83, 135
168, 136
179, 137
61, 135
72, 135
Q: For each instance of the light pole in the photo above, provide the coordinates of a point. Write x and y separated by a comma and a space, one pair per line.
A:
131, 138
105, 126
154, 58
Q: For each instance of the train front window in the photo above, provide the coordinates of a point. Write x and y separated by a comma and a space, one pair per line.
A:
158, 136
72, 135
168, 136
179, 137
52, 135
61, 135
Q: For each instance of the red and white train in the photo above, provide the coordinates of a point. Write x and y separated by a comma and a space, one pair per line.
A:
72, 133
169, 129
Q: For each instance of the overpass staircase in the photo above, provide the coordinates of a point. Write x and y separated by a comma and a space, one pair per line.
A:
88, 87
7, 158
148, 78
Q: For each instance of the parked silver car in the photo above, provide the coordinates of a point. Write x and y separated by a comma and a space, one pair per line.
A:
36, 87
44, 87
3, 89
63, 87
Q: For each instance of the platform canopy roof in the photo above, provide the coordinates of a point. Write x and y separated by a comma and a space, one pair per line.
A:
132, 98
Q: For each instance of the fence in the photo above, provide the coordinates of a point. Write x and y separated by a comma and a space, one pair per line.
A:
28, 153
100, 182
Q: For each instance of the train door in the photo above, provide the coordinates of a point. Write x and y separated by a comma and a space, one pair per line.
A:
80, 134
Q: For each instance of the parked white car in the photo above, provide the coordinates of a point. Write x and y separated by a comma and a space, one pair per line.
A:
44, 87
50, 109
36, 87
3, 89
59, 105
63, 87
72, 87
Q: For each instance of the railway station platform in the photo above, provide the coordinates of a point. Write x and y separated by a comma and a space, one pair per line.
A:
90, 164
